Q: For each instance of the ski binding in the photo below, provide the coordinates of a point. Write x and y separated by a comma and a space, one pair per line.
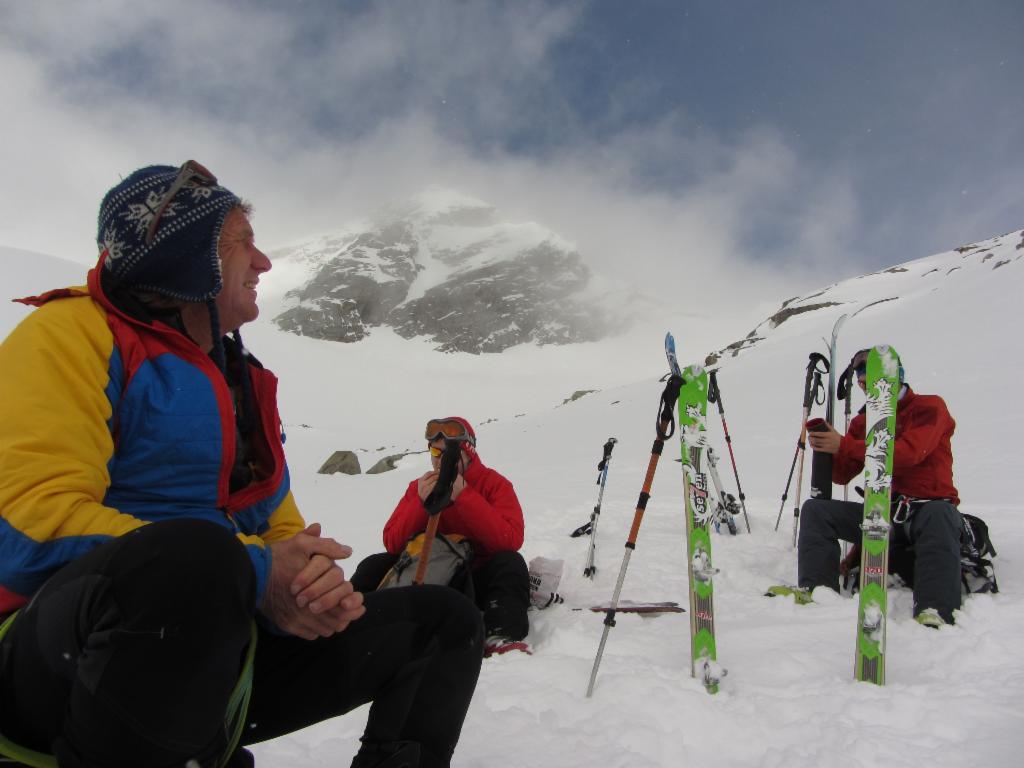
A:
702, 568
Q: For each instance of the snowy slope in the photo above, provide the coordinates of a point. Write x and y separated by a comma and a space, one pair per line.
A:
952, 697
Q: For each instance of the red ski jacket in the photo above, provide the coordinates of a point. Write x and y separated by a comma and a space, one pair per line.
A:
923, 458
487, 512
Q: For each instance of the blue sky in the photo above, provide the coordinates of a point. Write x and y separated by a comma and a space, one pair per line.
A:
818, 139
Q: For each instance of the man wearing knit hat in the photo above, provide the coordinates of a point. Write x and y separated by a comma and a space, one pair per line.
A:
147, 521
485, 510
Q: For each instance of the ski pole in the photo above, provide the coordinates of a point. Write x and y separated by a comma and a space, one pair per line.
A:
812, 394
665, 426
715, 396
844, 391
590, 569
812, 391
726, 506
439, 498
821, 463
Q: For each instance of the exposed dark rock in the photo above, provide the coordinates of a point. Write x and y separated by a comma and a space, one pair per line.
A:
877, 301
745, 343
784, 314
491, 288
388, 463
578, 394
525, 299
345, 462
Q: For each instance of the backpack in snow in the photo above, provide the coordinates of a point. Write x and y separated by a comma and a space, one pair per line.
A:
977, 573
450, 558
976, 570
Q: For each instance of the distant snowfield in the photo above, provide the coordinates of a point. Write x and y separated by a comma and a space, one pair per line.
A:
953, 697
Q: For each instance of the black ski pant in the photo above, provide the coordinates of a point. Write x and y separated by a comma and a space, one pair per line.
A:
501, 588
127, 656
924, 550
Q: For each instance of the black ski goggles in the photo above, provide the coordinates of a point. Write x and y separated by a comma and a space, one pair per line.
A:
859, 363
449, 429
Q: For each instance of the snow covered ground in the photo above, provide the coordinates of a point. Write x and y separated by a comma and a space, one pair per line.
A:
953, 697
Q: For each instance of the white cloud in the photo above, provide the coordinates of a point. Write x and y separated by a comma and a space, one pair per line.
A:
252, 96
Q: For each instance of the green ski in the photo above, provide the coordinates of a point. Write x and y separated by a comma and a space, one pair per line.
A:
693, 404
882, 390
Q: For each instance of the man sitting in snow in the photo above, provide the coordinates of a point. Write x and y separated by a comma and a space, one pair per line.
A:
149, 536
926, 530
486, 511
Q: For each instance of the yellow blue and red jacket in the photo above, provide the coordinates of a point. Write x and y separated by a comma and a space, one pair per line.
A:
108, 423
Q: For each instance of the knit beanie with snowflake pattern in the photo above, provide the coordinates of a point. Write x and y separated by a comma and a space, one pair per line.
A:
181, 260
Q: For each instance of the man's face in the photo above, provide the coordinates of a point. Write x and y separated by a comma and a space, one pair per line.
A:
437, 447
241, 264
860, 369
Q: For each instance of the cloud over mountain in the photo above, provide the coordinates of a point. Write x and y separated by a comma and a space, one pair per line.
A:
447, 267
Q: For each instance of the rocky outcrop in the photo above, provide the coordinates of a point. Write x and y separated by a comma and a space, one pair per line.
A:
448, 270
356, 288
345, 462
527, 298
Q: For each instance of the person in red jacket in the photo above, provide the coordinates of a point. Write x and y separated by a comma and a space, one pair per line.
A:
486, 511
927, 526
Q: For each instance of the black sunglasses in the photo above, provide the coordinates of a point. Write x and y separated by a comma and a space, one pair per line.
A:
191, 172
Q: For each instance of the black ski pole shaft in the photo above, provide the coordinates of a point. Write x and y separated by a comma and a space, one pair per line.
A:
785, 493
606, 459
801, 451
809, 390
715, 395
439, 498
845, 392
812, 385
665, 429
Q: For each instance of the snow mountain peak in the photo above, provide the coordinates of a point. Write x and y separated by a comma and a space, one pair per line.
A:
445, 266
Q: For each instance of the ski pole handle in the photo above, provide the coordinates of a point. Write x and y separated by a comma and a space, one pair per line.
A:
665, 424
812, 381
606, 456
441, 496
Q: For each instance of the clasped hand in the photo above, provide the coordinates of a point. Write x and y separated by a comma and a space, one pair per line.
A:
426, 484
307, 594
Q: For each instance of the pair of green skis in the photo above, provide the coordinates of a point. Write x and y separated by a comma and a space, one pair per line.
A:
882, 391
